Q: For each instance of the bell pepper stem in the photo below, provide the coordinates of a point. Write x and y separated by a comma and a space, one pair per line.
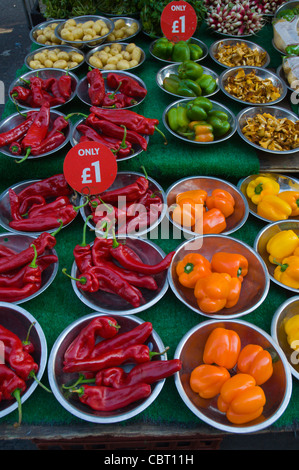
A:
82, 279
283, 267
188, 268
17, 395
33, 376
28, 151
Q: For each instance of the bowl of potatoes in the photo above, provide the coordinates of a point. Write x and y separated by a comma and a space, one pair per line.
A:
84, 31
115, 56
55, 57
124, 28
43, 34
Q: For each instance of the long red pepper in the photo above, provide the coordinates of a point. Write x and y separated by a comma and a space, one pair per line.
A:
65, 86
37, 131
11, 387
40, 210
6, 138
50, 187
131, 192
30, 201
136, 279
23, 94
128, 85
96, 90
83, 251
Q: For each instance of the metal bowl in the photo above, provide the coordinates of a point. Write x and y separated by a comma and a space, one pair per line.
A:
123, 48
19, 242
260, 245
123, 179
261, 73
16, 119
110, 303
184, 102
286, 183
231, 42
208, 184
286, 6
191, 41
82, 90
277, 112
285, 311
44, 74
91, 42
129, 22
62, 48
255, 285
75, 137
5, 211
278, 388
173, 68
41, 27
18, 320
57, 377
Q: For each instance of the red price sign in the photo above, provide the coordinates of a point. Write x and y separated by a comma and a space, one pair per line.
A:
178, 21
90, 168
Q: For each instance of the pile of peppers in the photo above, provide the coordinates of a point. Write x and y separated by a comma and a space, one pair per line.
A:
177, 52
126, 91
42, 205
201, 212
198, 121
102, 383
36, 135
271, 204
128, 209
283, 249
217, 283
233, 375
37, 91
113, 267
190, 81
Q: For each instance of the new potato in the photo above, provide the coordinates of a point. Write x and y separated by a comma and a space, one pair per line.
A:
46, 35
122, 30
86, 31
56, 59
116, 57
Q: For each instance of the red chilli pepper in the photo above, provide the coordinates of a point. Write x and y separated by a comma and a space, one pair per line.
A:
14, 205
41, 210
95, 137
6, 138
30, 201
11, 387
117, 100
50, 187
129, 86
96, 90
83, 252
135, 279
15, 148
22, 94
131, 192
65, 86
37, 131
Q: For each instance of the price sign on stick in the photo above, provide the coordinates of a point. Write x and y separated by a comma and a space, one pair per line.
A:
178, 21
90, 168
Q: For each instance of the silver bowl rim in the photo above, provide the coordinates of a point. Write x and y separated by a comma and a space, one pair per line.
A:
63, 47
292, 116
217, 316
255, 246
130, 310
89, 417
280, 73
114, 18
205, 70
277, 48
88, 43
214, 178
258, 71
192, 40
149, 229
184, 139
42, 25
105, 44
249, 43
284, 6
43, 358
232, 428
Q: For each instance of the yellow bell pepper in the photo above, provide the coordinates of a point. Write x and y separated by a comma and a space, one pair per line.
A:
282, 245
287, 272
292, 198
273, 208
291, 328
260, 187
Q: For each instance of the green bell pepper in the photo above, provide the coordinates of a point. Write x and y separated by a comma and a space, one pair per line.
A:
177, 119
219, 127
223, 116
171, 83
203, 102
180, 52
196, 51
163, 48
207, 83
188, 87
196, 112
190, 69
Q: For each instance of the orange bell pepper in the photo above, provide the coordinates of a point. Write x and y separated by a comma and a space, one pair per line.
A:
187, 213
217, 291
199, 196
232, 263
292, 198
207, 380
241, 399
213, 221
191, 268
222, 200
222, 348
255, 361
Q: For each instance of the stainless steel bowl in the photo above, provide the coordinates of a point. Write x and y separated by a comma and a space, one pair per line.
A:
123, 48
278, 388
208, 184
129, 22
260, 246
286, 6
57, 377
5, 210
261, 73
184, 102
107, 303
191, 41
255, 285
123, 179
44, 74
91, 42
286, 183
41, 27
62, 48
18, 320
75, 137
15, 119
285, 311
173, 68
19, 242
277, 112
213, 50
82, 90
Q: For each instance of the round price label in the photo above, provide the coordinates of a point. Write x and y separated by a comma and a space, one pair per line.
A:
178, 21
90, 168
